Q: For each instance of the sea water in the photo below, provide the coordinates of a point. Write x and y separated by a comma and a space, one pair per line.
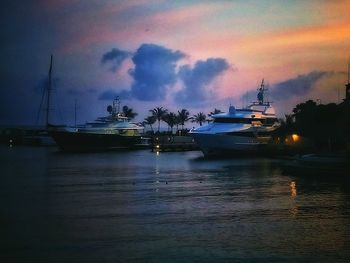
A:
142, 206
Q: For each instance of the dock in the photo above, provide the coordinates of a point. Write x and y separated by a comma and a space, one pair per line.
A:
170, 143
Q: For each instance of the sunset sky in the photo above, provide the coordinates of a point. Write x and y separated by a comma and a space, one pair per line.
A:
197, 55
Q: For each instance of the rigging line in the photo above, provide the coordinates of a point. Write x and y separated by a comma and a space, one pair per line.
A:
49, 89
60, 115
40, 106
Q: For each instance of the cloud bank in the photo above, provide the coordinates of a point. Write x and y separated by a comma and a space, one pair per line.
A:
115, 58
155, 73
299, 86
197, 79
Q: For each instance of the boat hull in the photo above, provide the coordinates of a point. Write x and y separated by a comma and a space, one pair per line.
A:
77, 141
223, 144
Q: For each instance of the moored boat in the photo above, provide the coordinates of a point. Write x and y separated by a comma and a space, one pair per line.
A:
238, 131
105, 133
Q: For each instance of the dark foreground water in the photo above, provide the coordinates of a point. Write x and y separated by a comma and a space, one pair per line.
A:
173, 207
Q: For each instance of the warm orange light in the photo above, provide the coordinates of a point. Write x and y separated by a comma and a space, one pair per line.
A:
293, 189
295, 137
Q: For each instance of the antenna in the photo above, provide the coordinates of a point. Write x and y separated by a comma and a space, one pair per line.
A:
75, 113
260, 95
116, 105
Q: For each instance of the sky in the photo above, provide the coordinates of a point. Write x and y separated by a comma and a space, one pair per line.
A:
197, 55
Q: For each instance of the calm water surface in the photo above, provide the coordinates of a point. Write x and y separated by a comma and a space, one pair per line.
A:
141, 206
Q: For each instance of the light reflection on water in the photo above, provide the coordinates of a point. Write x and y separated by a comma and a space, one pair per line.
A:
143, 206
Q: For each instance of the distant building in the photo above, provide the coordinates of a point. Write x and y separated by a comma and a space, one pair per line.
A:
347, 86
347, 90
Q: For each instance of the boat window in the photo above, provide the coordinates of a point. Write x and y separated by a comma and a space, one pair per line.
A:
233, 120
266, 121
270, 121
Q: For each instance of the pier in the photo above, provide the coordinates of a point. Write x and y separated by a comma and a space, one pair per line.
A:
167, 143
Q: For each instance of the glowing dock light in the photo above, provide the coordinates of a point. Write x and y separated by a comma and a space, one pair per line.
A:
295, 137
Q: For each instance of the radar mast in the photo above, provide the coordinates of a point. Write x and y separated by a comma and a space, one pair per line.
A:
261, 90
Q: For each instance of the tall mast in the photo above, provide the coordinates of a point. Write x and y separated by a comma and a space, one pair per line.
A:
75, 113
49, 88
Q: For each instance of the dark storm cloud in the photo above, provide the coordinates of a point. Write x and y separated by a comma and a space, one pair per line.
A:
154, 71
115, 58
298, 86
197, 79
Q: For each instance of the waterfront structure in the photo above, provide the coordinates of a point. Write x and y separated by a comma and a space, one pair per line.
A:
347, 86
239, 130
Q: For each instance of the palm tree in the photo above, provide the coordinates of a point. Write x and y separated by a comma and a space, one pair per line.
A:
183, 116
149, 121
159, 113
177, 122
170, 119
128, 112
216, 111
199, 118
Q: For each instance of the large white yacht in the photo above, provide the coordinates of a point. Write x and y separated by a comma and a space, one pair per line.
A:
106, 133
238, 130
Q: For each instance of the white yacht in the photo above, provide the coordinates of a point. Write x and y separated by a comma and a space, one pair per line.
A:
106, 133
238, 130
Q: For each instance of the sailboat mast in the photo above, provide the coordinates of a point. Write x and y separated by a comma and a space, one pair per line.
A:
49, 88
75, 113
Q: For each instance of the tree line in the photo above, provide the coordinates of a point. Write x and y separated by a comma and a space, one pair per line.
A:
172, 119
327, 125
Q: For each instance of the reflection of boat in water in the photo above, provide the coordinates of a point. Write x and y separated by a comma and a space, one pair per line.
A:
105, 133
238, 130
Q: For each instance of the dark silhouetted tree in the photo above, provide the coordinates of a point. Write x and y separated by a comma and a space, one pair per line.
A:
150, 120
199, 118
170, 119
159, 113
216, 111
128, 112
183, 116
